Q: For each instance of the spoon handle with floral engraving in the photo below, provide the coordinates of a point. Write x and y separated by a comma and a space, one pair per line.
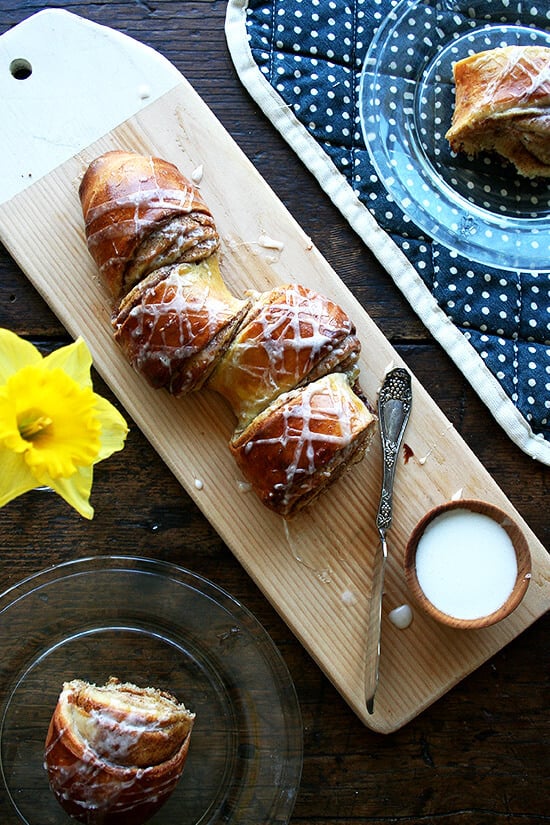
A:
394, 407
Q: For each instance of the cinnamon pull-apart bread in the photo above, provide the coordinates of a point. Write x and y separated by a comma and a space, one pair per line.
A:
141, 213
114, 753
303, 442
502, 105
286, 360
290, 335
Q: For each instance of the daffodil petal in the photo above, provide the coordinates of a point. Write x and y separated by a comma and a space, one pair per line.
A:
75, 359
15, 353
75, 490
9, 433
114, 428
15, 478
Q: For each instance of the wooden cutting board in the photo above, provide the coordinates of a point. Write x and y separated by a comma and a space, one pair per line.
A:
92, 89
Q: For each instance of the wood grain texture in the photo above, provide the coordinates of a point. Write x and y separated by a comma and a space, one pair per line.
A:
317, 578
475, 757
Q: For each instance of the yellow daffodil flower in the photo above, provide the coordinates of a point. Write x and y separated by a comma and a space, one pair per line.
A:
53, 427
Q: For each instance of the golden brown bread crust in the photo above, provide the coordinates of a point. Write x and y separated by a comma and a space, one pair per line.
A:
303, 442
141, 213
114, 753
285, 360
503, 105
175, 324
291, 335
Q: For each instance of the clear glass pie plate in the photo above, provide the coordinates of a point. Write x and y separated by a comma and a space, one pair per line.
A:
479, 207
153, 624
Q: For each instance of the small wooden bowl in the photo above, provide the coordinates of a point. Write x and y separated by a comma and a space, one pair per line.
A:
523, 559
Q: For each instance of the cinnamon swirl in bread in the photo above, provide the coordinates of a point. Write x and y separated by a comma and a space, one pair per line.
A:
175, 324
114, 753
140, 214
503, 105
303, 442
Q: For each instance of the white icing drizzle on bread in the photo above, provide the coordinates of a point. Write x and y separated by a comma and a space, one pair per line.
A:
181, 327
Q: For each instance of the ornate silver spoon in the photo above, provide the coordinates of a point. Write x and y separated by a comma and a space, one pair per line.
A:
394, 407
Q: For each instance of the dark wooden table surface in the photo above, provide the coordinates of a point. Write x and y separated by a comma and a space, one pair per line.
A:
481, 753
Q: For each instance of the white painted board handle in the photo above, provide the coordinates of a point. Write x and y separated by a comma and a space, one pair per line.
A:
64, 83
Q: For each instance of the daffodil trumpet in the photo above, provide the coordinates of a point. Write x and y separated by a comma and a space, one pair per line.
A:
53, 427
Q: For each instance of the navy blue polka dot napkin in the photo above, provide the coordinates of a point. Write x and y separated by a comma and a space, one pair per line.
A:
301, 60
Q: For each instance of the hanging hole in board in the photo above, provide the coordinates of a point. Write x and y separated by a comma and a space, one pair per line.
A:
20, 68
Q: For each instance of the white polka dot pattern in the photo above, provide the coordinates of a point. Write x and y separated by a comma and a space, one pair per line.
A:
312, 53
